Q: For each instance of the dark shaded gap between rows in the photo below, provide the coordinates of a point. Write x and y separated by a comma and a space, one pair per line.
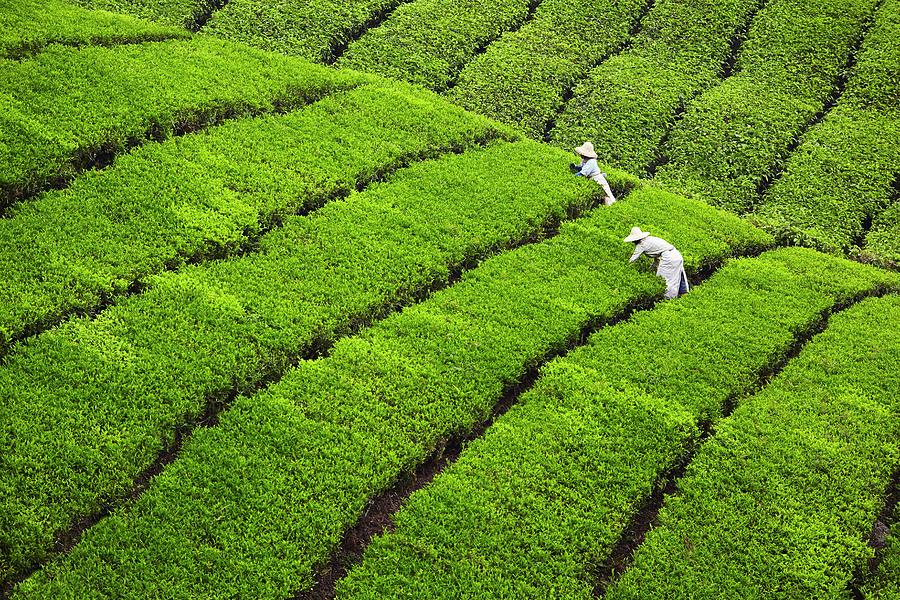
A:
218, 402
26, 50
727, 70
837, 92
884, 525
646, 518
100, 156
203, 18
250, 245
860, 239
533, 5
339, 47
569, 91
378, 516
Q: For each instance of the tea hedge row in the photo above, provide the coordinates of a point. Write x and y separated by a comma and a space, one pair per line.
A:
188, 14
67, 108
89, 405
523, 77
780, 503
842, 173
252, 506
202, 196
532, 509
26, 26
628, 103
885, 583
734, 137
428, 42
316, 31
883, 240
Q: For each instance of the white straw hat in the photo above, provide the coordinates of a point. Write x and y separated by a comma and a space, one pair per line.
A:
636, 235
586, 150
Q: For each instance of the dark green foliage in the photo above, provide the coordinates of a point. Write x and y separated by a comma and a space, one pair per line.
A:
315, 30
780, 502
202, 196
627, 104
883, 240
68, 107
531, 509
182, 13
428, 42
26, 26
89, 405
266, 495
842, 173
522, 77
735, 136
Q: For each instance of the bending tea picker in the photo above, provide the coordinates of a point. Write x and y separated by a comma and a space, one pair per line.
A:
670, 263
590, 169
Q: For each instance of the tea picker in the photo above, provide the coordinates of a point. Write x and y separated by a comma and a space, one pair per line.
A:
590, 169
670, 263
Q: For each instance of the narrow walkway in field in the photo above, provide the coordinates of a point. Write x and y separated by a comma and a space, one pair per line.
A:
350, 425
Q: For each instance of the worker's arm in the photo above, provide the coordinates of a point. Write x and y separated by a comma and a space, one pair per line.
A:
637, 253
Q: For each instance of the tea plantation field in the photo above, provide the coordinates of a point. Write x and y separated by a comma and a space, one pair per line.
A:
301, 300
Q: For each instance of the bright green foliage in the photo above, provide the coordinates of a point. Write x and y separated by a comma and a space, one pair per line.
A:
259, 500
780, 502
627, 104
26, 26
735, 136
841, 174
315, 30
67, 106
202, 196
522, 77
883, 240
90, 404
428, 42
188, 14
530, 510
885, 583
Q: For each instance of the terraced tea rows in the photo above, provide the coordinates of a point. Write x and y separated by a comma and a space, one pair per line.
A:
205, 196
375, 407
30, 25
533, 508
250, 300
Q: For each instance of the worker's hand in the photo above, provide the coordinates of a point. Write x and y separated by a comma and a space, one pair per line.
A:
574, 168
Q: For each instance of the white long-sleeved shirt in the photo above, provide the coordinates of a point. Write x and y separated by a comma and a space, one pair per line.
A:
652, 247
591, 170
